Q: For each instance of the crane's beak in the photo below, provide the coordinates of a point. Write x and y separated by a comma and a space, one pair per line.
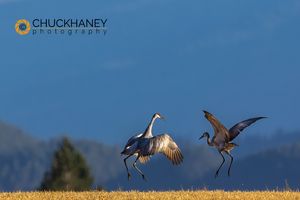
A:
161, 117
201, 137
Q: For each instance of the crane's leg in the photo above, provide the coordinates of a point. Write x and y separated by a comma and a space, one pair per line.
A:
139, 171
217, 172
128, 174
231, 160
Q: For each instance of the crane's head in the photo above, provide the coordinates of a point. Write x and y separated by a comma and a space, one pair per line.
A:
205, 134
157, 115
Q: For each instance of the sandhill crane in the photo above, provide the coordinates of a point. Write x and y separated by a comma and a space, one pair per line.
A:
222, 137
145, 145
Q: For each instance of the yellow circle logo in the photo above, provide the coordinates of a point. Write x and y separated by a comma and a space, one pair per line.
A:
22, 27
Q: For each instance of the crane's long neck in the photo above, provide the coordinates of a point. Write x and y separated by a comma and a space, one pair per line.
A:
209, 142
148, 131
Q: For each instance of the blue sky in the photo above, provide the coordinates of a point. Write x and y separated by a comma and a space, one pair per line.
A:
235, 59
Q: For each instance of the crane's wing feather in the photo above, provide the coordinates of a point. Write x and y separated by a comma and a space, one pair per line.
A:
165, 144
239, 127
131, 144
133, 139
221, 133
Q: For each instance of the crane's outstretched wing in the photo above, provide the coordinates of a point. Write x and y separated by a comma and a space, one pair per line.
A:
239, 127
164, 144
221, 133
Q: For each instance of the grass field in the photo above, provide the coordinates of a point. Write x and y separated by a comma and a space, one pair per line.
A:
134, 195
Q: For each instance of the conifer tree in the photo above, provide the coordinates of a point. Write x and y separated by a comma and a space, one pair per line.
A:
68, 171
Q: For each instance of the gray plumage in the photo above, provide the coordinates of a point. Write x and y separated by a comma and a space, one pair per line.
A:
145, 145
222, 139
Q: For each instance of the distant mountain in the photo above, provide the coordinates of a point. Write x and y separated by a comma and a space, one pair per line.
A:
270, 169
25, 159
251, 144
275, 161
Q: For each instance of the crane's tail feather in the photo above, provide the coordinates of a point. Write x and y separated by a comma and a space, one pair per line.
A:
144, 159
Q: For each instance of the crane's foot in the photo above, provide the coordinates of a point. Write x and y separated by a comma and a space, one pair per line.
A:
217, 174
144, 178
129, 176
228, 173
